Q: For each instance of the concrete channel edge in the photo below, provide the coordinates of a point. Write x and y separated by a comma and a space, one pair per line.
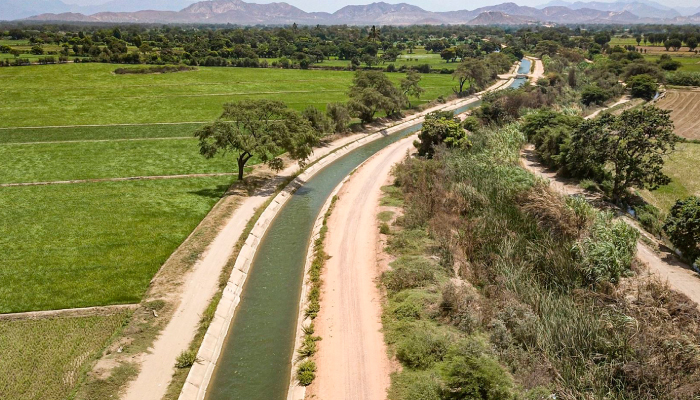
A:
199, 376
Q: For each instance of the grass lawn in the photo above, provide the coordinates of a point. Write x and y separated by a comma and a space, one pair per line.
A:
44, 359
682, 167
41, 162
688, 63
86, 94
104, 132
90, 244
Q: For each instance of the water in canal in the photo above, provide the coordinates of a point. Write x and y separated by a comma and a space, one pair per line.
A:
255, 362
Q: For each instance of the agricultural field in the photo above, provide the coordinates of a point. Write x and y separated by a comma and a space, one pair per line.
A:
100, 242
91, 94
43, 359
682, 168
685, 106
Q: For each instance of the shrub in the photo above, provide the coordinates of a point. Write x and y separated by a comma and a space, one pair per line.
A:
683, 227
643, 86
589, 185
422, 347
607, 253
594, 94
306, 372
470, 377
649, 217
409, 272
415, 385
339, 114
186, 359
319, 121
384, 228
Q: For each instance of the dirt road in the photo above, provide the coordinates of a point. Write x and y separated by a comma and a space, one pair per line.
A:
199, 287
352, 359
663, 264
538, 71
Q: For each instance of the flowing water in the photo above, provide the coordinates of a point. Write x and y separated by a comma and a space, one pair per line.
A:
255, 362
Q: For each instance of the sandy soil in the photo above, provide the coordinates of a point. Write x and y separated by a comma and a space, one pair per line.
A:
661, 263
352, 359
538, 72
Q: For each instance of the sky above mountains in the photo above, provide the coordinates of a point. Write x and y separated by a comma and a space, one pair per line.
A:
431, 5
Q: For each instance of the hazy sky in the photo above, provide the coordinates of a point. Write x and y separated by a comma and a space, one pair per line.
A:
431, 5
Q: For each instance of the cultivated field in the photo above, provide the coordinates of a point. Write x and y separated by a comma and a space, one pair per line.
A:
91, 94
685, 106
67, 245
44, 359
682, 167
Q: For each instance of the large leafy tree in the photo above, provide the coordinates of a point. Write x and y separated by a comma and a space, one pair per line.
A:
410, 85
472, 71
683, 227
258, 128
440, 127
372, 91
631, 147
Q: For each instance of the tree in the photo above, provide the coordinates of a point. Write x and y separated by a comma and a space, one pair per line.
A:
593, 94
692, 43
683, 227
632, 146
372, 91
449, 54
440, 127
409, 85
339, 115
471, 71
572, 77
643, 86
318, 120
258, 128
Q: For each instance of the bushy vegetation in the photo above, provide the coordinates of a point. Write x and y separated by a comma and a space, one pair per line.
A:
683, 79
504, 275
440, 128
683, 227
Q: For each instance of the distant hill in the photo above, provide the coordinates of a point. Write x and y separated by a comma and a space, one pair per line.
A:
642, 9
242, 13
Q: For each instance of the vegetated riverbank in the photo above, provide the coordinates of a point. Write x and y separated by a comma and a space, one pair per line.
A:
502, 289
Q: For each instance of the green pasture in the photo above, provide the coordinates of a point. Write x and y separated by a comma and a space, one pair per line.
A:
103, 132
41, 162
77, 245
83, 94
689, 61
682, 167
44, 359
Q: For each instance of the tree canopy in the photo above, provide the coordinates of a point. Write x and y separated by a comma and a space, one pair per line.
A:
258, 128
372, 91
440, 127
632, 146
472, 71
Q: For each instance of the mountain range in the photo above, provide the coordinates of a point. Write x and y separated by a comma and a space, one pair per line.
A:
242, 13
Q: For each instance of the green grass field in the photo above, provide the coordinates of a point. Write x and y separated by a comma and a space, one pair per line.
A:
688, 63
86, 94
44, 359
79, 245
42, 162
103, 132
681, 166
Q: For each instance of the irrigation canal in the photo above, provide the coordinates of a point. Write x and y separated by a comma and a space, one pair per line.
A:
255, 362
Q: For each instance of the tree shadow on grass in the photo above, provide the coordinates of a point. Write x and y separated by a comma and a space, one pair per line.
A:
213, 193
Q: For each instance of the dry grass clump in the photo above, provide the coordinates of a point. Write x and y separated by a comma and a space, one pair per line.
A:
552, 212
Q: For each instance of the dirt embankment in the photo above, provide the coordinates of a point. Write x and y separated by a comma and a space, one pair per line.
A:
352, 358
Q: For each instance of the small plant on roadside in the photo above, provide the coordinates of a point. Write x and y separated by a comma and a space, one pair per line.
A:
186, 359
306, 372
683, 227
384, 228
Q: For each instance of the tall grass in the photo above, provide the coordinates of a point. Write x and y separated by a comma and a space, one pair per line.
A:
544, 282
